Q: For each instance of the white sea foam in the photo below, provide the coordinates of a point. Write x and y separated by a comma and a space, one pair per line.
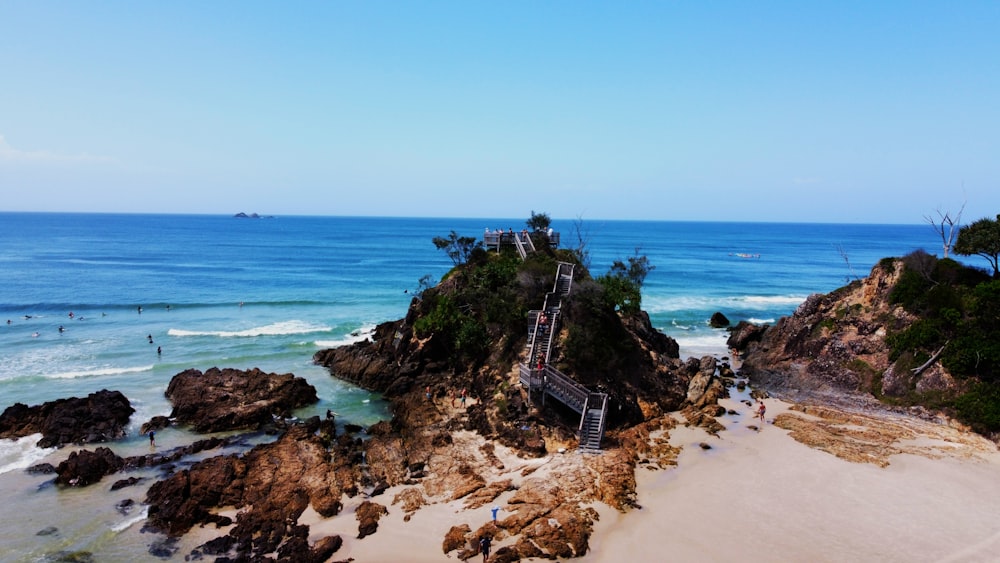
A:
656, 305
703, 344
715, 339
21, 453
761, 321
775, 299
126, 524
359, 335
97, 372
273, 329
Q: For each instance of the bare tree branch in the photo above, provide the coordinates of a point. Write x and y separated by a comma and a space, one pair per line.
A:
946, 227
928, 363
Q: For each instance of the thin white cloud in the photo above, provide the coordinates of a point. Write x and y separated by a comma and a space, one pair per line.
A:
13, 154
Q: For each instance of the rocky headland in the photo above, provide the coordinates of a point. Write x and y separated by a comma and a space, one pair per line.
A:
913, 336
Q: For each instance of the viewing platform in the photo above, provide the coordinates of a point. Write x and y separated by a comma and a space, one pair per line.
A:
495, 240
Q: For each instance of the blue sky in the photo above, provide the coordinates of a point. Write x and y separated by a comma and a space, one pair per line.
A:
872, 112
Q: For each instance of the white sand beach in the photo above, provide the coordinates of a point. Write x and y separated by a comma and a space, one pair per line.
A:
762, 496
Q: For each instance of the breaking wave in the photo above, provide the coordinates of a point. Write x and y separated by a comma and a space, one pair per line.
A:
273, 329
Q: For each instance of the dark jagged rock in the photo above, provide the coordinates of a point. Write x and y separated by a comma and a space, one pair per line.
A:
41, 469
98, 417
229, 399
368, 515
85, 467
163, 548
154, 424
718, 320
170, 456
744, 334
372, 363
274, 483
122, 483
326, 547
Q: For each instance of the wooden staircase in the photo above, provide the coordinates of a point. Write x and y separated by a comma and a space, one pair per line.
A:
542, 379
592, 423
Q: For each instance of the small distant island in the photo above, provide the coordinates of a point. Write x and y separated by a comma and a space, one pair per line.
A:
242, 215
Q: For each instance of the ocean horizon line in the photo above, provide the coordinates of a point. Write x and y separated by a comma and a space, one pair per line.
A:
505, 220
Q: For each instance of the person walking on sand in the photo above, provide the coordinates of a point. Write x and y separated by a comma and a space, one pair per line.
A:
761, 409
484, 547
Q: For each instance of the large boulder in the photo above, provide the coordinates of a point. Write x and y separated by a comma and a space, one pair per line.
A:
718, 320
98, 417
87, 467
229, 399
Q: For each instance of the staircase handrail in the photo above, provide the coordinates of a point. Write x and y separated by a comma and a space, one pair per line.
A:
520, 247
527, 240
583, 416
560, 274
572, 388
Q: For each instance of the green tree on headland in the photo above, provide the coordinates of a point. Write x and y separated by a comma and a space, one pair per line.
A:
981, 238
538, 222
459, 249
623, 282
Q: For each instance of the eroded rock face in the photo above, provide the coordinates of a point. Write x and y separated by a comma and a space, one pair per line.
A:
230, 399
835, 343
272, 485
98, 417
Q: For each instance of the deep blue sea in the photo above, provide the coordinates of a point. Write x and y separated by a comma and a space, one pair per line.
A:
270, 292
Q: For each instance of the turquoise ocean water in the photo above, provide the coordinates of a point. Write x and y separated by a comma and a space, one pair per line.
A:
268, 293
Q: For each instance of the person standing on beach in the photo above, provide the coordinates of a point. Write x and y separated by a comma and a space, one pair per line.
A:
761, 409
484, 547
152, 439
